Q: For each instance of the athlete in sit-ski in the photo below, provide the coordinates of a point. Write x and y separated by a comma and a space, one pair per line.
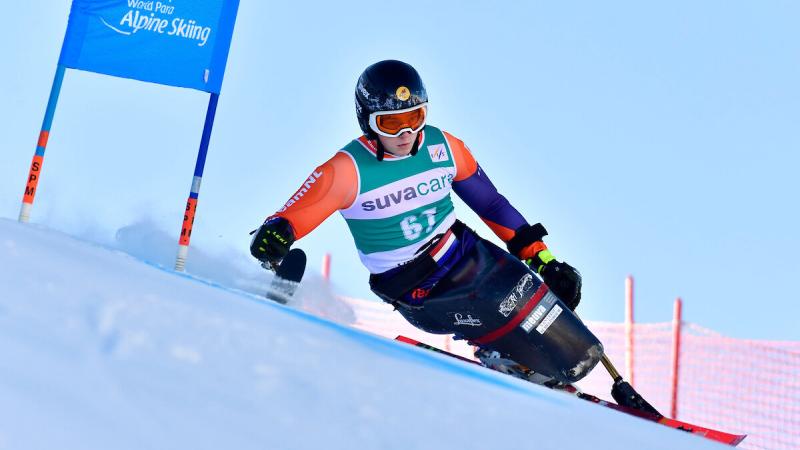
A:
392, 185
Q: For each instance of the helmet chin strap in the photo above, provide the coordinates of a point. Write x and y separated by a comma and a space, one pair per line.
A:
415, 147
382, 149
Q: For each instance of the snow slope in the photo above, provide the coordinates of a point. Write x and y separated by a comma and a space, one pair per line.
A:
101, 350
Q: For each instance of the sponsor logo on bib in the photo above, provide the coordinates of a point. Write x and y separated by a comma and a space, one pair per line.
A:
438, 153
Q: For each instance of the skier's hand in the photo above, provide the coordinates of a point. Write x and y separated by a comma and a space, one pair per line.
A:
561, 278
272, 240
564, 281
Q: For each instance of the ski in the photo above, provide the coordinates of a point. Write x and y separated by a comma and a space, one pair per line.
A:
708, 433
288, 275
416, 343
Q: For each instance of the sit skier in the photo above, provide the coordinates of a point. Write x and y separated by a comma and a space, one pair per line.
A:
392, 185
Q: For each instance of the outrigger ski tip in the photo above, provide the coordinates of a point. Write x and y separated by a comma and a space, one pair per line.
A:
644, 413
288, 275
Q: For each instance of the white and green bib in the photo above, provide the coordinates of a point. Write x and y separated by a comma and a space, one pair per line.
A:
402, 202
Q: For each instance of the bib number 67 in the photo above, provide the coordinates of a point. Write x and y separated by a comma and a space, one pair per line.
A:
412, 226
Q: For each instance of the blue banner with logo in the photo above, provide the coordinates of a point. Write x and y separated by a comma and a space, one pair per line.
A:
181, 43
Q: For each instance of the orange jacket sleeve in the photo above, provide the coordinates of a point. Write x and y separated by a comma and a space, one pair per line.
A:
330, 187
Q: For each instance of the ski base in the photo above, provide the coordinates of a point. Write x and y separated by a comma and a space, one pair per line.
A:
708, 433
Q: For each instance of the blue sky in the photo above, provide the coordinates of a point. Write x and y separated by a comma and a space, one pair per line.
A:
653, 139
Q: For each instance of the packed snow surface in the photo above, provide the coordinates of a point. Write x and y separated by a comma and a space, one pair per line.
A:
102, 350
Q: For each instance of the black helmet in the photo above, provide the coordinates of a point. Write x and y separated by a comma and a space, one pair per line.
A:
387, 86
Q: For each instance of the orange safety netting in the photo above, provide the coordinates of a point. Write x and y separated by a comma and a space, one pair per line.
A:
735, 385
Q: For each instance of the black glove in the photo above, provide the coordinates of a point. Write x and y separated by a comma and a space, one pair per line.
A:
272, 240
564, 280
561, 278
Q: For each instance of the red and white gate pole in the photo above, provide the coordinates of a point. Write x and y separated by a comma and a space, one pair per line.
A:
326, 267
629, 328
676, 356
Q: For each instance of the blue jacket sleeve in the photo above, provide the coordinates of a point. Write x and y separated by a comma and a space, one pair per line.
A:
481, 196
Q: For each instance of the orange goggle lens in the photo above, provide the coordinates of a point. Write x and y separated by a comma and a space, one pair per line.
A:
394, 123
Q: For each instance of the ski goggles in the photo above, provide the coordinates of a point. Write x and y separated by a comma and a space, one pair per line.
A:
394, 123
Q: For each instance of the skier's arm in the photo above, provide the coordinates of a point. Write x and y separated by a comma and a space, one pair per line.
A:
476, 189
523, 240
330, 187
